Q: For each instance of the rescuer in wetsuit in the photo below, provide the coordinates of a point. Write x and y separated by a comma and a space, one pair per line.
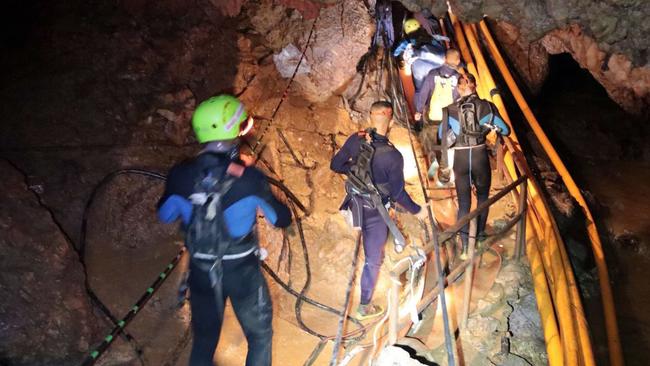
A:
471, 119
421, 51
218, 122
387, 171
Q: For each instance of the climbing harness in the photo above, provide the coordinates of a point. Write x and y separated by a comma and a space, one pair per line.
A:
364, 192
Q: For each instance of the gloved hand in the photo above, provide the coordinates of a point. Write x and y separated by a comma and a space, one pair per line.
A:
441, 38
290, 231
417, 116
175, 207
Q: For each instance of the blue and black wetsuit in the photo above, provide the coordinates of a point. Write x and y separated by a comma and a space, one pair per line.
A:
243, 281
387, 170
430, 55
471, 162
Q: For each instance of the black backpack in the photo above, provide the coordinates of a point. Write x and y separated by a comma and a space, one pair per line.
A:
360, 177
207, 237
471, 132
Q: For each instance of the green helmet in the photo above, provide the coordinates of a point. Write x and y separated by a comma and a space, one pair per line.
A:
218, 118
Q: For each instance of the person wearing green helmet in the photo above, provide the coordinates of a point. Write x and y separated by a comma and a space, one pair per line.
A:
216, 197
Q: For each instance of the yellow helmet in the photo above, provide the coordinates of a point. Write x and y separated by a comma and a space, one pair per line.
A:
411, 25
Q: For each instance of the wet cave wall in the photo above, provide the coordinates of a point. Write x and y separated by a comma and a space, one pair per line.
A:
89, 87
92, 87
608, 38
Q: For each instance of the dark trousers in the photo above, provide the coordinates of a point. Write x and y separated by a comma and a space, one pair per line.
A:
244, 284
472, 167
375, 233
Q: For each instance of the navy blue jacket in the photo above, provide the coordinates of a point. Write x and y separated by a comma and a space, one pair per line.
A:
423, 97
249, 192
387, 168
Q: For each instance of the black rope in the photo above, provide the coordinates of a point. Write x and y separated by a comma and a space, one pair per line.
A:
120, 325
286, 89
348, 292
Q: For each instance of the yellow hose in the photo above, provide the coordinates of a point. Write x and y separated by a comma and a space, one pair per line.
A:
615, 353
552, 273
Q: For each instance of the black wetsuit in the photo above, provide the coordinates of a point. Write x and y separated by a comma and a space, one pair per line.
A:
471, 162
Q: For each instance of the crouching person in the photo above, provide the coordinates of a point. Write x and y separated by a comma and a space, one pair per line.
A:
216, 196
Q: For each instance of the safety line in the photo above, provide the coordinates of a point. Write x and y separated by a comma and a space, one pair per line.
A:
346, 304
119, 328
286, 89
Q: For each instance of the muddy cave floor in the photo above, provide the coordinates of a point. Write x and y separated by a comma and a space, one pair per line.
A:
121, 259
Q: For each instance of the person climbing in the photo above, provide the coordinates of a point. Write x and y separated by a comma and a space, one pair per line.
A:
471, 119
420, 51
216, 196
437, 92
439, 88
375, 179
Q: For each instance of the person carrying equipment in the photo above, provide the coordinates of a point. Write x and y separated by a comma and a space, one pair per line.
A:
375, 179
439, 88
421, 51
216, 197
471, 119
438, 91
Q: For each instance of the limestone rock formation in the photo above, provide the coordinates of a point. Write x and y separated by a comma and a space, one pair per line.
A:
49, 320
609, 38
342, 35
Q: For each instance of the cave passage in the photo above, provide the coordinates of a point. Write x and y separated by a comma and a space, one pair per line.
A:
97, 100
609, 154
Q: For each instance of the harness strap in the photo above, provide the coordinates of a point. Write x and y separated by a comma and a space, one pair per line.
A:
383, 212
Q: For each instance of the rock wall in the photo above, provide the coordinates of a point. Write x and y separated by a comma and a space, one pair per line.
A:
609, 38
342, 35
45, 314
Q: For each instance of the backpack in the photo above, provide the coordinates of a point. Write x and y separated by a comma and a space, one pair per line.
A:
443, 95
360, 177
207, 236
471, 132
360, 183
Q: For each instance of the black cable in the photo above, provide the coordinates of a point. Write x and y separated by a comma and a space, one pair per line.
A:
301, 297
348, 292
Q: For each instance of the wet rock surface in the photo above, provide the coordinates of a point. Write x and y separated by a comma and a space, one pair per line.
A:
45, 316
609, 38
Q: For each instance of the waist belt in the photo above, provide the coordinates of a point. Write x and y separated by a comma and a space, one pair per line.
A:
226, 257
468, 147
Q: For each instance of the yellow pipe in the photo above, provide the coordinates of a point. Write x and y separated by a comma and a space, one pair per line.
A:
464, 51
615, 353
568, 302
551, 332
566, 295
545, 305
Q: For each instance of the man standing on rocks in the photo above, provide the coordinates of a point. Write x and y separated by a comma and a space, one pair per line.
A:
216, 196
471, 119
375, 179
